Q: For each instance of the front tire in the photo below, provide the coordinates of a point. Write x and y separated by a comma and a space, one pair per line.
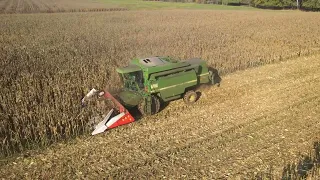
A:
155, 106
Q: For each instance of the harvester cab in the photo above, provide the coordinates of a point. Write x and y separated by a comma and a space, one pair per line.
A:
148, 82
132, 80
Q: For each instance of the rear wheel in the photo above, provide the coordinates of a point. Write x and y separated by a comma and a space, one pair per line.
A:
211, 77
144, 106
190, 97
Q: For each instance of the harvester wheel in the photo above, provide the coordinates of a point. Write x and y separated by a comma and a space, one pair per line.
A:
155, 106
190, 97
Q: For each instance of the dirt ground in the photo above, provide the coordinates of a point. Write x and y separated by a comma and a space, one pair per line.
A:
255, 124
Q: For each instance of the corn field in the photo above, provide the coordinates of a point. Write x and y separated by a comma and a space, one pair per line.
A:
49, 61
48, 6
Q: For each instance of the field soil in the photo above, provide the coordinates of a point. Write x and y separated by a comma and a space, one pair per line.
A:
255, 124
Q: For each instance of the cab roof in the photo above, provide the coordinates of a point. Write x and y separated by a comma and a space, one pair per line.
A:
128, 69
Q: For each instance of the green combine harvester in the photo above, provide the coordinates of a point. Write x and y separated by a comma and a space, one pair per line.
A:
149, 82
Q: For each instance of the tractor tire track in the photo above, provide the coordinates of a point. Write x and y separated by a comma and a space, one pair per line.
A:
196, 108
227, 131
217, 144
256, 166
276, 141
195, 116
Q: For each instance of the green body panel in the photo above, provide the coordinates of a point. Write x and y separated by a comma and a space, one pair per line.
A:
201, 70
175, 84
165, 77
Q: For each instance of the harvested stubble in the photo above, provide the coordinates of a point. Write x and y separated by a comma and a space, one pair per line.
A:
49, 61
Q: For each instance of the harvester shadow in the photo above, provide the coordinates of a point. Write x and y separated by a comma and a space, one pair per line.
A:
163, 105
198, 95
307, 167
137, 114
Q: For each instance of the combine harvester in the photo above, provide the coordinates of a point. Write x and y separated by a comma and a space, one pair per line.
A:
149, 82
